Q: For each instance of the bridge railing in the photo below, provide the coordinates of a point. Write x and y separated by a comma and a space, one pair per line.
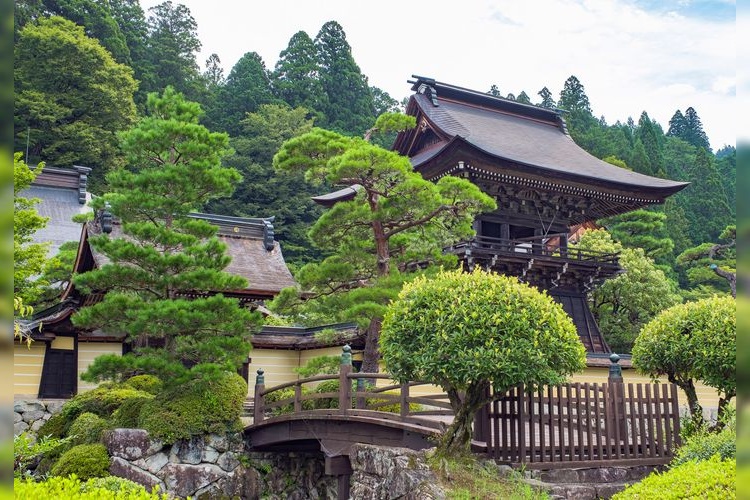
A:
354, 394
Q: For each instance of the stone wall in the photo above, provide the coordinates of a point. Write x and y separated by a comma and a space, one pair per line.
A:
31, 414
216, 466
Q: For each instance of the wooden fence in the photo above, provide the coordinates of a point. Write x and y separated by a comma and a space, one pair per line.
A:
559, 425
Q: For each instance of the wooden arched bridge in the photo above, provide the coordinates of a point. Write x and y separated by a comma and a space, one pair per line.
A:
570, 425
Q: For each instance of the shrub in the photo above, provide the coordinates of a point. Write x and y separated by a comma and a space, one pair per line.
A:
129, 412
27, 450
55, 427
145, 383
204, 406
705, 444
85, 461
102, 401
87, 429
713, 478
288, 393
68, 488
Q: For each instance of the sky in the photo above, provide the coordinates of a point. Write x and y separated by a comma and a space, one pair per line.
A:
631, 56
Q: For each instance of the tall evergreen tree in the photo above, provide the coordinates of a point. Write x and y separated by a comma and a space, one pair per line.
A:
132, 22
349, 107
214, 73
642, 229
694, 133
296, 76
164, 256
573, 96
547, 100
706, 204
70, 108
246, 88
172, 47
650, 135
677, 125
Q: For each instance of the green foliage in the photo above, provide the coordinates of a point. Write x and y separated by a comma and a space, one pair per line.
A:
145, 383
319, 365
204, 406
28, 257
288, 393
705, 444
625, 303
70, 107
85, 461
57, 273
164, 254
462, 331
642, 229
697, 263
69, 488
102, 401
56, 426
295, 76
692, 341
26, 449
129, 413
87, 428
708, 479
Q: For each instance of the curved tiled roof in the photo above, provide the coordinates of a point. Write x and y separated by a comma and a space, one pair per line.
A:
524, 140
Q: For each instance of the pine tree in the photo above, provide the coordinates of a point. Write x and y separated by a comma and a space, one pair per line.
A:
642, 229
547, 101
573, 96
524, 98
694, 133
650, 135
349, 107
165, 255
677, 125
296, 76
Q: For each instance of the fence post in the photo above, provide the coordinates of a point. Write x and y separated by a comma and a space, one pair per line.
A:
258, 403
345, 385
617, 387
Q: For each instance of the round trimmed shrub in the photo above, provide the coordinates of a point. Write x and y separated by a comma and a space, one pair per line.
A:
713, 478
87, 429
85, 461
198, 407
102, 401
56, 427
127, 415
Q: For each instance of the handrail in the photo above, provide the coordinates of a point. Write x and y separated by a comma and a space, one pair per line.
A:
514, 246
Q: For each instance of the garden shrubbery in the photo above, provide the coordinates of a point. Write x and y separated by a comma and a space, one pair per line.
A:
146, 383
205, 406
68, 488
86, 461
87, 429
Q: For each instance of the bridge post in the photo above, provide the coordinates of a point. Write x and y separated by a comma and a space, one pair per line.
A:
259, 405
345, 385
617, 395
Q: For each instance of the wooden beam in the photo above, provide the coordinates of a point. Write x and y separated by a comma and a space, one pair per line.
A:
338, 466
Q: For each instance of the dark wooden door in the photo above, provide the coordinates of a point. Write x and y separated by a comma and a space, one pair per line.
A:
58, 374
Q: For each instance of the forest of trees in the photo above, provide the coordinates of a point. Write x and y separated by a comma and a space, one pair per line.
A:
103, 58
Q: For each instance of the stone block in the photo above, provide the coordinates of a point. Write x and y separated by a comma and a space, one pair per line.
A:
218, 442
185, 479
188, 451
32, 416
122, 468
37, 425
153, 463
17, 417
209, 455
25, 406
608, 490
574, 491
131, 444
228, 461
55, 405
19, 427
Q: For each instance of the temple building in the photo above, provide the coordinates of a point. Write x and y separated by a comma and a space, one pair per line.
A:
546, 187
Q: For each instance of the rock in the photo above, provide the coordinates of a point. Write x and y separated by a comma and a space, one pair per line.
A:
17, 417
37, 425
19, 427
33, 416
55, 405
209, 455
228, 461
608, 490
130, 444
122, 468
184, 479
188, 451
154, 463
26, 406
574, 491
218, 442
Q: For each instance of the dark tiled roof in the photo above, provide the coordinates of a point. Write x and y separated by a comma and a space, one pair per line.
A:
301, 338
60, 205
344, 194
525, 140
256, 256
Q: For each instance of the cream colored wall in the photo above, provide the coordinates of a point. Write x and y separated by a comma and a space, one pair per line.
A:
707, 396
27, 368
87, 351
277, 364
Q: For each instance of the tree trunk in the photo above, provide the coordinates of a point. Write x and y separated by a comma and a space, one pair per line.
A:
722, 410
457, 439
696, 411
371, 358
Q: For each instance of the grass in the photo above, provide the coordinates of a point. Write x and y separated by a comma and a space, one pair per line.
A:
468, 478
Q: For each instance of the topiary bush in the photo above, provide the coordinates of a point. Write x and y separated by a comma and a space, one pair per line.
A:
713, 478
147, 383
87, 429
102, 401
56, 427
86, 461
204, 406
127, 415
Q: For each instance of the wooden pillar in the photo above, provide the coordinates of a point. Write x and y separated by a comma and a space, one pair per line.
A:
258, 408
341, 467
563, 245
345, 385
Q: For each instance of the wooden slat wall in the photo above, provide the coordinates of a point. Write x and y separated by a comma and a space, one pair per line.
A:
585, 422
27, 369
87, 352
